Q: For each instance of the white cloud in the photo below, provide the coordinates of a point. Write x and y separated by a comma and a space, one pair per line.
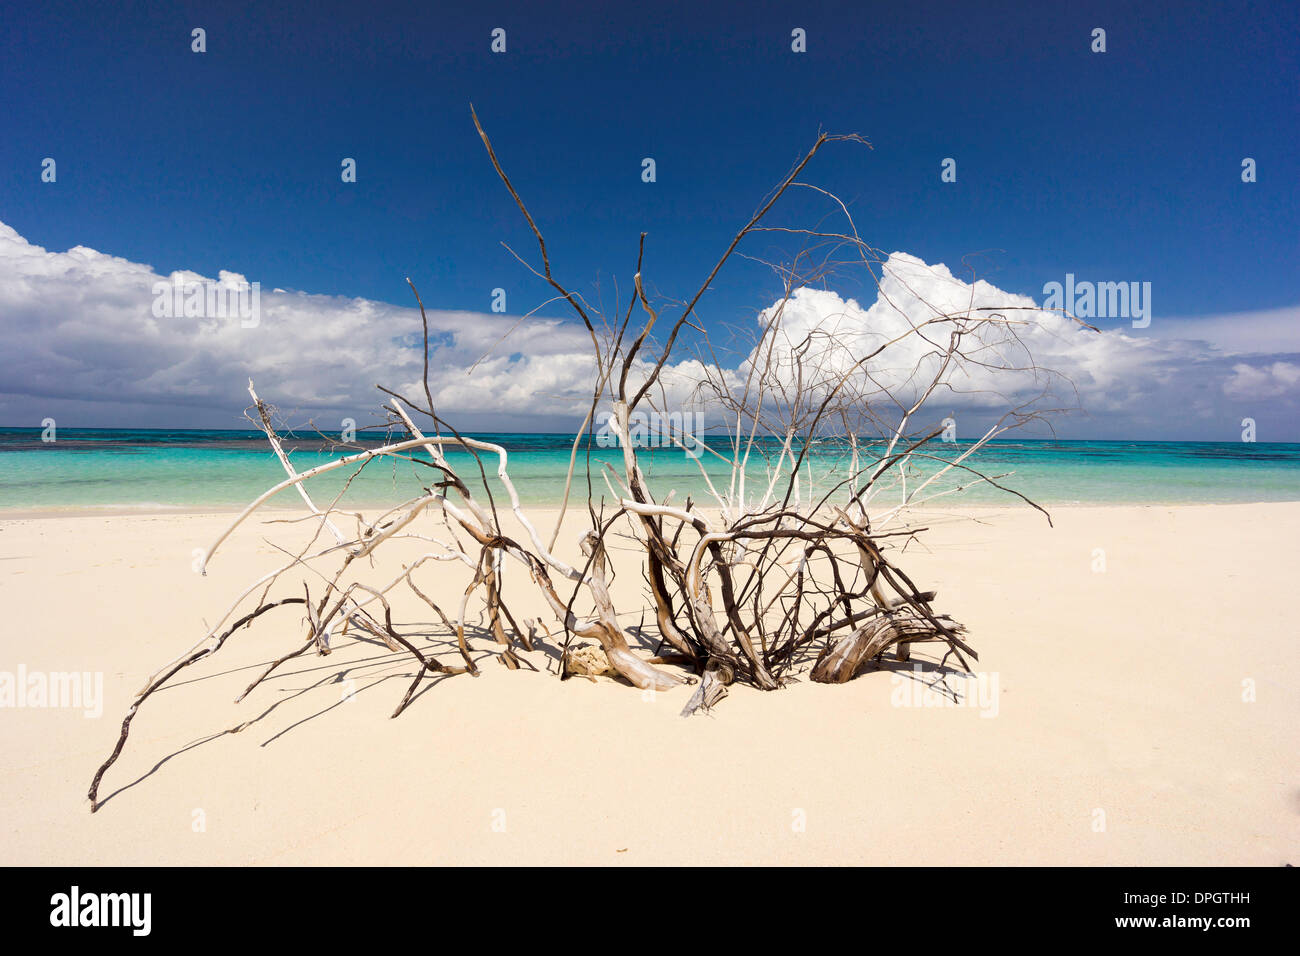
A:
1265, 332
81, 341
1265, 381
1128, 383
80, 325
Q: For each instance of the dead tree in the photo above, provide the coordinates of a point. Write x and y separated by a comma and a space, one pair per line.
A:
789, 569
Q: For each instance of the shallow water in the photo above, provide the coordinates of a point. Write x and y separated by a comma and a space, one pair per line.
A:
128, 469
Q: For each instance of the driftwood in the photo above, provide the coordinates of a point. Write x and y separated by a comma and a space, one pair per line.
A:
790, 569
711, 690
841, 660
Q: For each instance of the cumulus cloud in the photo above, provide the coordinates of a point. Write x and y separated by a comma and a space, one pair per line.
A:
86, 343
1127, 383
1264, 381
83, 327
908, 327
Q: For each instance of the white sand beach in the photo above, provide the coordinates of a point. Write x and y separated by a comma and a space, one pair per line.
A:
1111, 729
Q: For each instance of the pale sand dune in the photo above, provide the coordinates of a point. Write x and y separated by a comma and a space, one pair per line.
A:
1118, 691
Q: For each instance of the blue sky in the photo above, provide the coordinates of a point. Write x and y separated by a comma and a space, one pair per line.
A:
1117, 166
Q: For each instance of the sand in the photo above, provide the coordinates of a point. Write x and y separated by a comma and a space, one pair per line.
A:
1144, 713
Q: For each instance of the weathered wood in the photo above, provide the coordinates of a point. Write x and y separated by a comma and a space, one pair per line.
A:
747, 592
841, 659
711, 690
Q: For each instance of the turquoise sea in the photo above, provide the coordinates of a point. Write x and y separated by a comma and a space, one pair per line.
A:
160, 469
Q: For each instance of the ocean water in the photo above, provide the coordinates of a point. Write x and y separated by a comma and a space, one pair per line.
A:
158, 469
